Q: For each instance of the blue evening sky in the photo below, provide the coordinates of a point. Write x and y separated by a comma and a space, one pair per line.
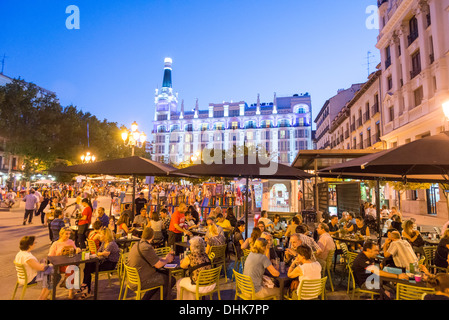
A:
222, 50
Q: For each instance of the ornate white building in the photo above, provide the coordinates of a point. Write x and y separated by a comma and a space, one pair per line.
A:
281, 127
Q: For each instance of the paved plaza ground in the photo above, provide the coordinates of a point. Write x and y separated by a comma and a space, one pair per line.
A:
12, 230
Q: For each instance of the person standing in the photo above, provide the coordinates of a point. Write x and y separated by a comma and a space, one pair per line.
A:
44, 203
31, 203
140, 202
84, 222
175, 230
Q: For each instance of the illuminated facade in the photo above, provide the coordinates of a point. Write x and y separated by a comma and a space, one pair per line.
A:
281, 127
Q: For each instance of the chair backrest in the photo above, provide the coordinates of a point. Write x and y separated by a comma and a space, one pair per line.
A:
163, 251
344, 248
220, 253
208, 277
132, 275
123, 259
21, 272
246, 252
244, 286
311, 289
408, 292
351, 257
211, 256
329, 259
92, 246
429, 253
131, 245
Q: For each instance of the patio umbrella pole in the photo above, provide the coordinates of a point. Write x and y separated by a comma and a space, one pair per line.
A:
134, 193
246, 208
378, 210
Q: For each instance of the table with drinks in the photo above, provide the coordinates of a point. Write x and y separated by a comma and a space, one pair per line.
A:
415, 277
74, 259
124, 242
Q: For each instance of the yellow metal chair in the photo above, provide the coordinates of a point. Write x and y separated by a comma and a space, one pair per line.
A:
21, 275
329, 267
409, 292
429, 253
163, 251
121, 272
220, 257
133, 278
206, 278
244, 288
311, 289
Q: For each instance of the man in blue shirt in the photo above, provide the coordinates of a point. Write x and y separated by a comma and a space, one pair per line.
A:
102, 217
56, 225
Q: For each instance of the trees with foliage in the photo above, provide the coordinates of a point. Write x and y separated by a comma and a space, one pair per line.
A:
37, 128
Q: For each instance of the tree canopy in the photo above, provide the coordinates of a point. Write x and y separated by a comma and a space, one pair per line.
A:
36, 127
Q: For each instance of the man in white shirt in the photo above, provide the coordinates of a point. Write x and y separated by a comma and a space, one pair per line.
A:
401, 251
326, 244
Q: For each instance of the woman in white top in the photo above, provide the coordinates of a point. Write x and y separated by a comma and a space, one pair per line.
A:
304, 268
31, 264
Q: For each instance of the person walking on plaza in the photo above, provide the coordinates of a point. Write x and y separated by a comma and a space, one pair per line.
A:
44, 203
31, 203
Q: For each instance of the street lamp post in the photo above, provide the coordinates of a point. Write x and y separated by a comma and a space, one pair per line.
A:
133, 138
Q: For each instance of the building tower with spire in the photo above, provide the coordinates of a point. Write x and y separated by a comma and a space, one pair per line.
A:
165, 100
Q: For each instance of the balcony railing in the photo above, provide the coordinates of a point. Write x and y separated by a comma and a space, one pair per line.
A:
346, 134
414, 73
412, 37
375, 138
375, 109
432, 58
359, 122
366, 116
387, 62
352, 127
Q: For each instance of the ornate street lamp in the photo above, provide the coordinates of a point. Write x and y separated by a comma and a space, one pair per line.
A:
134, 138
88, 157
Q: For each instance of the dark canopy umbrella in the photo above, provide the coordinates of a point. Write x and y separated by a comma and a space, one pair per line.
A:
120, 167
427, 156
246, 167
135, 166
422, 160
